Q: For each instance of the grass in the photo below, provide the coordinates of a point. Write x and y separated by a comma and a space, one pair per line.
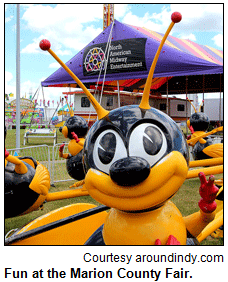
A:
10, 141
186, 198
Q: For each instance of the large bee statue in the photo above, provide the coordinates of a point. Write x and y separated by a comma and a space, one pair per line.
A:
203, 147
136, 158
27, 183
75, 128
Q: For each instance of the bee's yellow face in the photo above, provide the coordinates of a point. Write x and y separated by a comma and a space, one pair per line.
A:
135, 160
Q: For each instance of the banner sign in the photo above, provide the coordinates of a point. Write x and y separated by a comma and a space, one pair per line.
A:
126, 55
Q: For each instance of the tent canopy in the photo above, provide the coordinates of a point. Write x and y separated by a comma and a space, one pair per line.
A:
131, 54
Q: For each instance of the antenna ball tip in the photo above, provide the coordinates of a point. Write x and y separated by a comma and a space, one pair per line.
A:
45, 44
176, 17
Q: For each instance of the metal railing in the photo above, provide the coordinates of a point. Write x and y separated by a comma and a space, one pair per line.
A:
40, 153
58, 165
49, 157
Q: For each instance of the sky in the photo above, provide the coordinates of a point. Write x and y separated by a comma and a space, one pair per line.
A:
70, 27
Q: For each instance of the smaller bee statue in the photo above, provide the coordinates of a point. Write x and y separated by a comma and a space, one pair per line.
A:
202, 143
75, 128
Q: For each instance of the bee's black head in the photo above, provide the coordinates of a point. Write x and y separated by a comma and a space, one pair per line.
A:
74, 124
199, 121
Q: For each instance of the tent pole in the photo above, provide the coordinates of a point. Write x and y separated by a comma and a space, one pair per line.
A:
118, 88
203, 88
186, 101
18, 80
220, 98
70, 94
167, 98
45, 111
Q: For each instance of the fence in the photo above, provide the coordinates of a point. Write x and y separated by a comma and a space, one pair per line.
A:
40, 153
58, 165
49, 157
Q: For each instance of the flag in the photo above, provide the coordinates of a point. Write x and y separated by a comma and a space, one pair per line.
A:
11, 95
40, 102
48, 103
44, 102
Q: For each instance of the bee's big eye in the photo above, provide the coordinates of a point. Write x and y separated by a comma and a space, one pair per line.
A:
152, 140
108, 148
149, 142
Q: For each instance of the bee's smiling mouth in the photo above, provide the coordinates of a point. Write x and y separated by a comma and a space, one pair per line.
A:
163, 180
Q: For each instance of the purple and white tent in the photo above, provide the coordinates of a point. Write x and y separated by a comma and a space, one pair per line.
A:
131, 52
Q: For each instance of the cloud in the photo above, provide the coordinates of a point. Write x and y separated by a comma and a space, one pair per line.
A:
157, 22
54, 65
8, 19
31, 48
218, 40
8, 77
195, 18
203, 17
27, 87
9, 83
64, 25
120, 10
10, 86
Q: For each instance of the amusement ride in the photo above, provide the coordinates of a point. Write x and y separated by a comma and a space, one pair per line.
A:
133, 161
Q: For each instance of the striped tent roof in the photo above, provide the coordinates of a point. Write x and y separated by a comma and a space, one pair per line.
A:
185, 45
204, 52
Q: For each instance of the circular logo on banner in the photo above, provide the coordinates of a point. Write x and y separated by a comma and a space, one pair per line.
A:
94, 60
